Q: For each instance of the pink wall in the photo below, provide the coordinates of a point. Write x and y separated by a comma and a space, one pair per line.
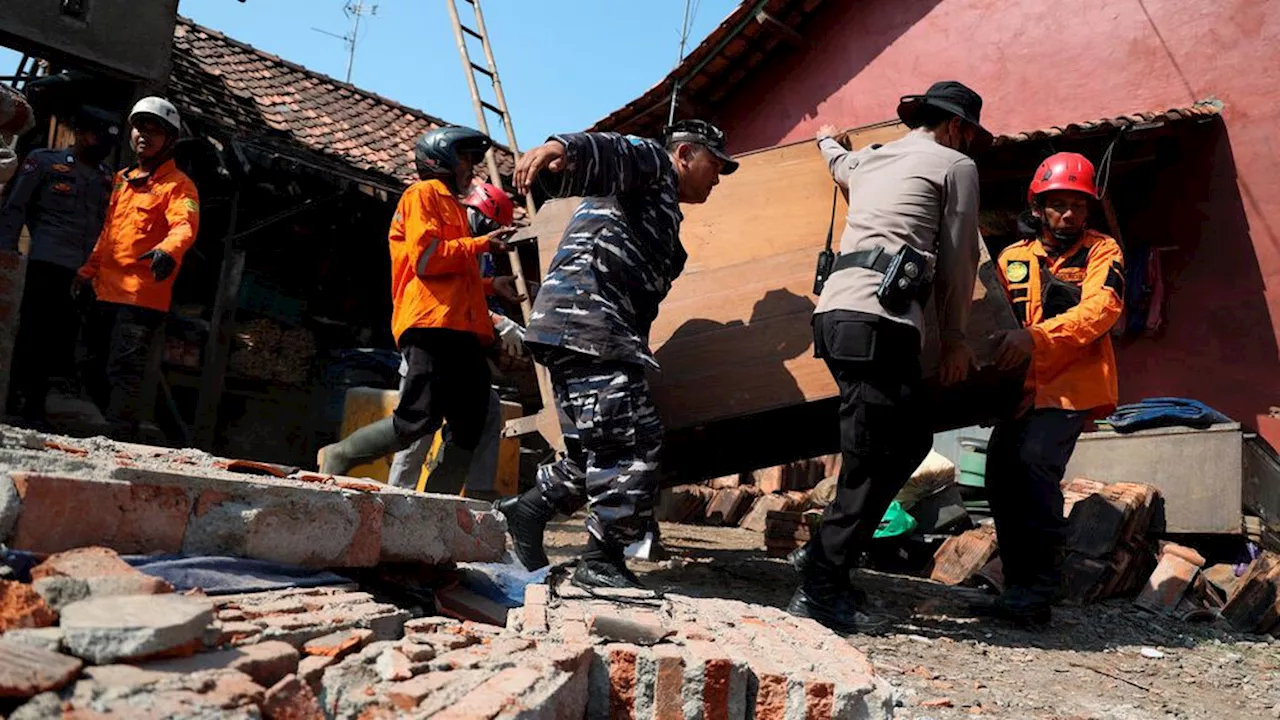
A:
1039, 63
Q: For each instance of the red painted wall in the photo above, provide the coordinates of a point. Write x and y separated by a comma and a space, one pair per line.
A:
1039, 63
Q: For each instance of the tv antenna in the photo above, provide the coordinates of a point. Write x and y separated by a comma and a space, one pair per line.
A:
354, 9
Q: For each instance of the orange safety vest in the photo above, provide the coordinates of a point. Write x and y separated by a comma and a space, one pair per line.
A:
146, 212
435, 270
1070, 303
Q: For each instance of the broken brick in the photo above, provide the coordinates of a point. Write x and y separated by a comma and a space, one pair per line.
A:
728, 506
1254, 605
963, 556
681, 503
756, 518
291, 699
26, 670
62, 513
22, 607
1168, 584
340, 644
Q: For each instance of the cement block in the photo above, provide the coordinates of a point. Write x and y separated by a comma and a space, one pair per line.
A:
1198, 472
108, 629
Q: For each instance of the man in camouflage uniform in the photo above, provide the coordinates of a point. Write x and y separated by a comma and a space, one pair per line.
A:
590, 326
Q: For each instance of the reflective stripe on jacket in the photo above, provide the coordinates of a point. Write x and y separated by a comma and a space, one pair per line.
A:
146, 212
435, 273
1070, 303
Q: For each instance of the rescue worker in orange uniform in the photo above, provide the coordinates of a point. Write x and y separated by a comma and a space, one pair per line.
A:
439, 316
1066, 283
152, 220
489, 208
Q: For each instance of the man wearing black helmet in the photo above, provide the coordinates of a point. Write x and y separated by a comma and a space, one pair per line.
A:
590, 326
61, 196
439, 317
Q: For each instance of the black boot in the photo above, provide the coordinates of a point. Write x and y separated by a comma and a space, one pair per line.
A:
826, 596
368, 443
527, 517
1021, 605
802, 559
603, 566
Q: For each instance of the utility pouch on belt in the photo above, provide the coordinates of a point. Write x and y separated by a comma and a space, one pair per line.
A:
826, 258
906, 275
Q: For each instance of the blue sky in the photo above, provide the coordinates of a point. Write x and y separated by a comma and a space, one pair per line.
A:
563, 63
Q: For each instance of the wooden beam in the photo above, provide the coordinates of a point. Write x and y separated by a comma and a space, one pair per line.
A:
218, 346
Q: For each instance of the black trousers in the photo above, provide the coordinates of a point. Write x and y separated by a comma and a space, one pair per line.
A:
447, 378
1026, 461
45, 344
121, 343
884, 430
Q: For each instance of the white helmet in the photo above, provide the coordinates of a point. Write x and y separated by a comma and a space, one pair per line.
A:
159, 108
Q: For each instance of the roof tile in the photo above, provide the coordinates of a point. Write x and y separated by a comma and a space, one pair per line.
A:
249, 92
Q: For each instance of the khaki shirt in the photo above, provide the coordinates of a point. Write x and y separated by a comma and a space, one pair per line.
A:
915, 192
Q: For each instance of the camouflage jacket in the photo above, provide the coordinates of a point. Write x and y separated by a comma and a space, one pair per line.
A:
620, 251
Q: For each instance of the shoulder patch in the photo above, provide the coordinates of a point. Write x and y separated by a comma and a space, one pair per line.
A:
30, 165
1016, 271
190, 204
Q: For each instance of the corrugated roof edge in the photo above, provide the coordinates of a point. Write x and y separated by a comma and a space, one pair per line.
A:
1209, 107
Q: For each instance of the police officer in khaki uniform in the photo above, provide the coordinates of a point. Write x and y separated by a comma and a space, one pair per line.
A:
61, 196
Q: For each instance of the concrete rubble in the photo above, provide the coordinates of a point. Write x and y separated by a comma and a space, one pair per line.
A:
59, 494
334, 652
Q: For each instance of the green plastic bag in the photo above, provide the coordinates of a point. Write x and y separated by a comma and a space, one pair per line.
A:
896, 521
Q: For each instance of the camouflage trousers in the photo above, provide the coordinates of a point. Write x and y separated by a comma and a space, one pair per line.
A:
616, 470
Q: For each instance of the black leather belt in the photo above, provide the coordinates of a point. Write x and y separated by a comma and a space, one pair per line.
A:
876, 259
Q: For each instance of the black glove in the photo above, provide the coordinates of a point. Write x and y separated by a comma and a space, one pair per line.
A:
162, 264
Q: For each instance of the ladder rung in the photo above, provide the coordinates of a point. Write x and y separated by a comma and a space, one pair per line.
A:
480, 69
494, 108
471, 32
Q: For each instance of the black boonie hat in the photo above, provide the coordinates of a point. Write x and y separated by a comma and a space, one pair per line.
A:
705, 134
949, 96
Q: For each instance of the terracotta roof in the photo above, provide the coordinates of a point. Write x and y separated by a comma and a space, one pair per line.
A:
740, 44
226, 86
1204, 109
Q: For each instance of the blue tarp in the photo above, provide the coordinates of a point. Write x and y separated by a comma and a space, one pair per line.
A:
229, 575
1164, 412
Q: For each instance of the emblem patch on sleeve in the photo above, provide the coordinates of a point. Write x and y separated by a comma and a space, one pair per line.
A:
1016, 271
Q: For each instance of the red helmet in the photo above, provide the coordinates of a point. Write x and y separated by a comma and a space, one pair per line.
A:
492, 202
1063, 171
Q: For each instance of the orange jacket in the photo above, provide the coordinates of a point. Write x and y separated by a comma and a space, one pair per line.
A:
1069, 302
435, 269
145, 213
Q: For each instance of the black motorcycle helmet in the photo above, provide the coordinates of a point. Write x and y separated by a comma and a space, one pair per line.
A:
436, 154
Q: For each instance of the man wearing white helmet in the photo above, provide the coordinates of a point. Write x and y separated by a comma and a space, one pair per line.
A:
152, 220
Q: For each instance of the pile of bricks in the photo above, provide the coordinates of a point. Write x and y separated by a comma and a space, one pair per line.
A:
689, 657
786, 531
745, 500
337, 653
1108, 550
61, 494
1254, 604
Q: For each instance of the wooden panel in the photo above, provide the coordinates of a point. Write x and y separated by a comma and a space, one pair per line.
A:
734, 336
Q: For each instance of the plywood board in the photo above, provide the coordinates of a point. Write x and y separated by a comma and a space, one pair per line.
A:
734, 336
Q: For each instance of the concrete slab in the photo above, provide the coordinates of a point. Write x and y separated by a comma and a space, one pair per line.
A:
59, 493
1199, 472
108, 629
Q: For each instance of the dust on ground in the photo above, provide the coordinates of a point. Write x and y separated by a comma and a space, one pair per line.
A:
948, 663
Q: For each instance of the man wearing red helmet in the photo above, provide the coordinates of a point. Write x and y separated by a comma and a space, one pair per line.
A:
1066, 283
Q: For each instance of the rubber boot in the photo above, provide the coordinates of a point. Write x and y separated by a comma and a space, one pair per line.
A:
450, 476
825, 595
527, 517
368, 443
